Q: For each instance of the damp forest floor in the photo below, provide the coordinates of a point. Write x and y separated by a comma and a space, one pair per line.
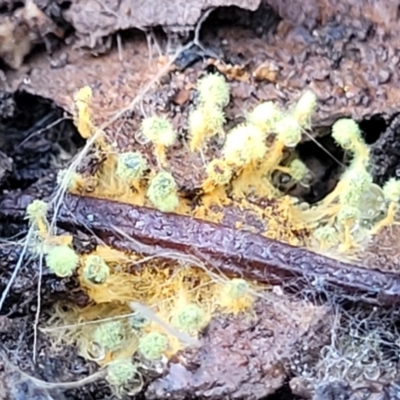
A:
268, 50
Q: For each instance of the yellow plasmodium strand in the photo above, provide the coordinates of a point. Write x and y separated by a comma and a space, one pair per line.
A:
83, 118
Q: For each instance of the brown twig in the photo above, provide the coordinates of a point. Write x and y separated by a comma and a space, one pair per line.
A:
234, 252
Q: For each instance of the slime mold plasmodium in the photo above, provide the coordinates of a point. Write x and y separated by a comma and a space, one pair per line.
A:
238, 177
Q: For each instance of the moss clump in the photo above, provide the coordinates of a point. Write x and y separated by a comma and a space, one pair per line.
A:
153, 345
95, 269
62, 260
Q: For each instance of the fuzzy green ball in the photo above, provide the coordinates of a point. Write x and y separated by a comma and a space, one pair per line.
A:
244, 144
109, 335
237, 288
358, 181
95, 269
120, 372
131, 166
62, 260
298, 170
162, 192
213, 89
327, 234
288, 131
153, 345
159, 131
391, 190
190, 318
346, 133
36, 210
265, 116
348, 213
305, 107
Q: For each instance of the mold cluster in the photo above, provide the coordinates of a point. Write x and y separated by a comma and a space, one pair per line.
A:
237, 189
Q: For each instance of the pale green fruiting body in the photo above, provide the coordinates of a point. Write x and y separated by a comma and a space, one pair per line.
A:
162, 192
190, 318
36, 210
391, 190
213, 89
358, 181
304, 108
298, 170
153, 345
288, 131
244, 144
131, 166
265, 116
62, 260
159, 131
95, 269
236, 288
120, 372
109, 335
348, 213
346, 133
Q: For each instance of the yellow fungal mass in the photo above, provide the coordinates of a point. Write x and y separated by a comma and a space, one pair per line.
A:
82, 118
236, 172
